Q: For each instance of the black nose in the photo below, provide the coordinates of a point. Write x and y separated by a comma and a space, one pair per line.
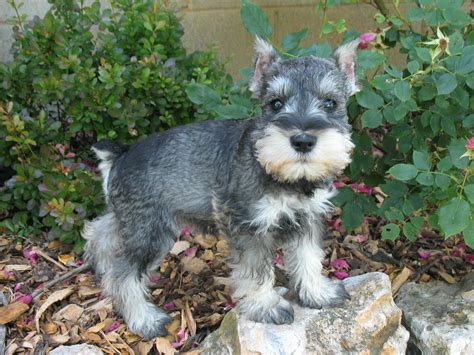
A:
303, 142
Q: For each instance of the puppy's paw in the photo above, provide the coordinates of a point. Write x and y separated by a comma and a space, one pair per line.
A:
152, 325
279, 313
326, 294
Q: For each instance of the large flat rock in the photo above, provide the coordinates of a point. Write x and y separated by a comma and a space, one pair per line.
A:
368, 324
440, 316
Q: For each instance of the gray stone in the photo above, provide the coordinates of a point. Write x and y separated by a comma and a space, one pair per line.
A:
439, 316
368, 324
79, 349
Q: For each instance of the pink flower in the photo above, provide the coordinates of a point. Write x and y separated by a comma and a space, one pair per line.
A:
361, 238
340, 264
155, 278
278, 260
338, 184
229, 305
26, 299
17, 287
112, 327
341, 275
424, 254
365, 39
456, 253
469, 258
190, 251
186, 230
470, 143
336, 224
31, 255
362, 188
170, 306
181, 336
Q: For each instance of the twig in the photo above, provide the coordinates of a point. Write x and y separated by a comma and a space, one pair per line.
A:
382, 7
47, 257
63, 277
108, 341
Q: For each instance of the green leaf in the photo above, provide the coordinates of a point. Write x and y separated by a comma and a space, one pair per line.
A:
255, 19
402, 90
352, 215
369, 99
231, 111
410, 231
421, 161
322, 50
390, 231
465, 64
403, 172
424, 54
413, 66
445, 83
454, 216
456, 150
368, 59
203, 95
469, 192
442, 181
468, 234
425, 179
371, 118
292, 40
394, 214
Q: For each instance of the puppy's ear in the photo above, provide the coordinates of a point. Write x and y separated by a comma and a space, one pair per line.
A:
265, 56
345, 56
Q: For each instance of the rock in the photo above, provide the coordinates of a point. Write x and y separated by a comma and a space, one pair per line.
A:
79, 349
440, 316
369, 323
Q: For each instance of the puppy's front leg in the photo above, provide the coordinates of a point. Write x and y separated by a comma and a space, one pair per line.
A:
303, 256
253, 277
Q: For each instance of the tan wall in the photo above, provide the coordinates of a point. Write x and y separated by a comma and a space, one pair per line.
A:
218, 22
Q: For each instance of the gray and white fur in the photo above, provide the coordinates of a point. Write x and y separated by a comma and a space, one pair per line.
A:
263, 183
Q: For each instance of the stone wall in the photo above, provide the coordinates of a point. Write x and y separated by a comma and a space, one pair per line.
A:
218, 22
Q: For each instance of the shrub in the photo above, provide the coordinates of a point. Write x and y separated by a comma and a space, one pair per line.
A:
411, 124
78, 75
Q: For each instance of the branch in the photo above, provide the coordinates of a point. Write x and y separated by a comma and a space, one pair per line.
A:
382, 7
63, 277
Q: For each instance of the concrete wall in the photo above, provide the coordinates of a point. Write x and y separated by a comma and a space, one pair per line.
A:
218, 22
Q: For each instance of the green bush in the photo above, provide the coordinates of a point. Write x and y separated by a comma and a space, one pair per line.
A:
411, 124
78, 75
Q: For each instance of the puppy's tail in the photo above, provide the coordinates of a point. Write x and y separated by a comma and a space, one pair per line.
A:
107, 151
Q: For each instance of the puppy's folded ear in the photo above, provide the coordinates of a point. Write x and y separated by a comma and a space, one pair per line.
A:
265, 56
345, 56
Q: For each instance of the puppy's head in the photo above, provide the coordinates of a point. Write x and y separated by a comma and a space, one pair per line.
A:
306, 134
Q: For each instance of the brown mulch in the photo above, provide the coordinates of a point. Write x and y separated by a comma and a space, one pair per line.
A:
192, 284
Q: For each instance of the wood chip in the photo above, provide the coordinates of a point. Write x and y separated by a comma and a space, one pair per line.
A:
446, 277
54, 297
19, 268
163, 346
193, 265
50, 328
71, 313
86, 291
59, 338
144, 347
179, 247
401, 278
206, 241
223, 247
190, 319
12, 312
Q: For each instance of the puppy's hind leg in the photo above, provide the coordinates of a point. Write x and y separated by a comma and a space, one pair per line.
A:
144, 245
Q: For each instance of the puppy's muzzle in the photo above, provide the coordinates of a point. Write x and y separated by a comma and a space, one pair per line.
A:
303, 142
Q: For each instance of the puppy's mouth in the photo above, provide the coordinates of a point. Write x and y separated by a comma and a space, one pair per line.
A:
293, 156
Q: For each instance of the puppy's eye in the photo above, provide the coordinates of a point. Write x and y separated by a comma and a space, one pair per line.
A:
329, 104
276, 105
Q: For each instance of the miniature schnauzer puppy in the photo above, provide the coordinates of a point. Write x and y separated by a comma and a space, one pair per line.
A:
263, 183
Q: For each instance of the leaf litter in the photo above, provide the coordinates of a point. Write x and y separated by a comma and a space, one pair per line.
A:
54, 301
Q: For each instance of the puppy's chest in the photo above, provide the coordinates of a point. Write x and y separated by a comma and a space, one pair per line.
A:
284, 213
